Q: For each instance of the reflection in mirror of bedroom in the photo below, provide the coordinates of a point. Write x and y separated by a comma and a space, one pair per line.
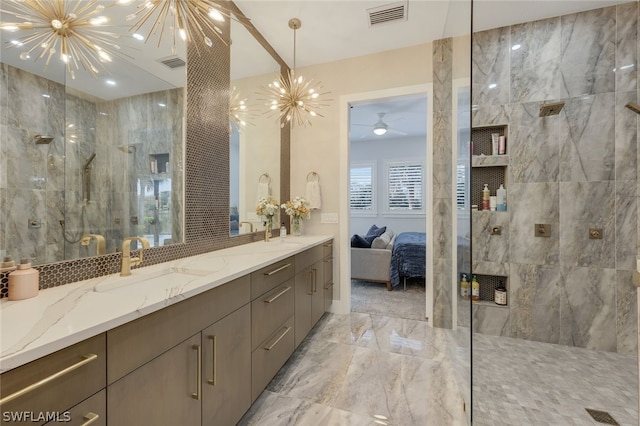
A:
387, 207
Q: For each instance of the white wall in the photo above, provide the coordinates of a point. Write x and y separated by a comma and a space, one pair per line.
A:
380, 151
317, 147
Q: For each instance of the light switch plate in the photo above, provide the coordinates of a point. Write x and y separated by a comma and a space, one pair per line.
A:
328, 217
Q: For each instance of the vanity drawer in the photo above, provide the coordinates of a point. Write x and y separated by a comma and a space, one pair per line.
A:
267, 359
67, 377
92, 411
270, 276
270, 310
137, 342
308, 258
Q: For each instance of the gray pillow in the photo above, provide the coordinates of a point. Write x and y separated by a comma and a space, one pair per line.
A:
382, 241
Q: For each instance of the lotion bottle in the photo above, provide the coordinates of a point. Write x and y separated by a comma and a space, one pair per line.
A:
486, 197
464, 287
475, 289
24, 281
501, 199
283, 232
7, 265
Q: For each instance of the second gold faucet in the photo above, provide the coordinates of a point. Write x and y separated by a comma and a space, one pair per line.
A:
127, 260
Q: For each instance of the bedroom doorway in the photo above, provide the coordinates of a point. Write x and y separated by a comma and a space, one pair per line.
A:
386, 187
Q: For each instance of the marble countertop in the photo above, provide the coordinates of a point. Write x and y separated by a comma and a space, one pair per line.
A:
62, 316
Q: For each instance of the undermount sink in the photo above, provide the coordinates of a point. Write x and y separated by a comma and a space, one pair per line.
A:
166, 278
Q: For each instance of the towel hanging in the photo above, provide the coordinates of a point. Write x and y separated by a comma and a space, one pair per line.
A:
314, 198
264, 187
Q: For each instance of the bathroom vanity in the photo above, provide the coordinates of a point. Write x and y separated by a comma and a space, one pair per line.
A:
200, 337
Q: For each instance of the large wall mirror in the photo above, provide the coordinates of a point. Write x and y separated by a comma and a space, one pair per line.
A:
88, 161
254, 154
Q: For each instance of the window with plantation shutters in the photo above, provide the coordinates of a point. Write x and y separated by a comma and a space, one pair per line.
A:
362, 198
405, 187
462, 193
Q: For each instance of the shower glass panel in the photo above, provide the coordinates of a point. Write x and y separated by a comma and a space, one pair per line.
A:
563, 349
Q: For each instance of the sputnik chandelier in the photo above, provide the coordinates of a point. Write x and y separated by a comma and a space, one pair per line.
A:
296, 99
239, 111
69, 28
185, 19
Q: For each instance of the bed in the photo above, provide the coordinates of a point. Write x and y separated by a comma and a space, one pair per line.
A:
408, 259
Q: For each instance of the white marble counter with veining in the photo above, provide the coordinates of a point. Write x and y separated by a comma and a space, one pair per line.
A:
62, 316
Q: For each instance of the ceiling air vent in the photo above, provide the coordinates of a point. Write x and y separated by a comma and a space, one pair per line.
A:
172, 62
387, 13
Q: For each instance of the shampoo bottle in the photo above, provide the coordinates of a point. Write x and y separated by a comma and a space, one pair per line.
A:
486, 196
475, 289
501, 199
283, 232
24, 281
464, 287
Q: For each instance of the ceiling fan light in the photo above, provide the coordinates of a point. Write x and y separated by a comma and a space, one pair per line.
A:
380, 130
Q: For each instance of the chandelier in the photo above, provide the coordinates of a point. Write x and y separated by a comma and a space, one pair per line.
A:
69, 28
240, 113
184, 18
296, 99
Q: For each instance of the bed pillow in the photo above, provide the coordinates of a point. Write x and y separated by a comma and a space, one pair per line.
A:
359, 241
375, 232
382, 241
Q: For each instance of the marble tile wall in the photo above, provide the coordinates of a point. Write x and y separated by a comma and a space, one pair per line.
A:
575, 171
45, 182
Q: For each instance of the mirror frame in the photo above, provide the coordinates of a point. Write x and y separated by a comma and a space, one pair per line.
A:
206, 206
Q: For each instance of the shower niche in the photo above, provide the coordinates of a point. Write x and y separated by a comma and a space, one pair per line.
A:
489, 229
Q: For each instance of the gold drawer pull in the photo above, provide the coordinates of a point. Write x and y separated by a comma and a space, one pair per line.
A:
85, 360
275, 271
90, 418
328, 286
273, 299
214, 346
198, 349
271, 346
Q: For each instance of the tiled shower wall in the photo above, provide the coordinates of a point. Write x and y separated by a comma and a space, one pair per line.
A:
575, 171
45, 182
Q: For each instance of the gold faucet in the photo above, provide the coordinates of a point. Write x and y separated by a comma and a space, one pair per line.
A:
250, 225
101, 245
127, 260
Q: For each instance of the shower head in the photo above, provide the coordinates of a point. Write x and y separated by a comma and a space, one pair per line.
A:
633, 107
554, 108
127, 149
91, 157
42, 139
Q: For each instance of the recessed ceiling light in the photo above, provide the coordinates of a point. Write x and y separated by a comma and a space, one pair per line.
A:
493, 86
162, 105
110, 82
138, 36
44, 95
516, 47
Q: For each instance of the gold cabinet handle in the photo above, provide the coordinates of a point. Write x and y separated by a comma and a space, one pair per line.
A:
273, 299
214, 347
275, 271
314, 274
85, 360
310, 292
198, 349
90, 418
328, 259
273, 345
328, 286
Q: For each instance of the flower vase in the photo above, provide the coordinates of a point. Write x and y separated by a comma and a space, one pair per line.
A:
267, 229
296, 226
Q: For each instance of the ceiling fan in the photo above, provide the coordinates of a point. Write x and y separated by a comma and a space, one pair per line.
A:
380, 127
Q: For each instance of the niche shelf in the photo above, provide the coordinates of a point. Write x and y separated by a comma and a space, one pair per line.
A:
488, 284
487, 168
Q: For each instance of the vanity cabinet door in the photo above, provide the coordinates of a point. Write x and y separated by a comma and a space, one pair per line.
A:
328, 276
226, 369
92, 411
309, 300
165, 391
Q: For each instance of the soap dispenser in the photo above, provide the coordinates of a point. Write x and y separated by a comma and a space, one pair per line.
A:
24, 281
283, 232
501, 195
7, 265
